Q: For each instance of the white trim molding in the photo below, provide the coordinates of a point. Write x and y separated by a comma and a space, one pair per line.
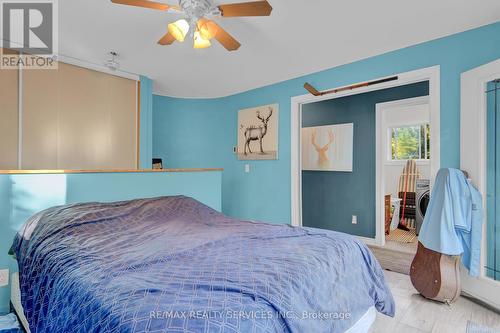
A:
368, 240
473, 117
431, 74
97, 67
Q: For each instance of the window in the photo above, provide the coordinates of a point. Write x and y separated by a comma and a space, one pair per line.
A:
410, 142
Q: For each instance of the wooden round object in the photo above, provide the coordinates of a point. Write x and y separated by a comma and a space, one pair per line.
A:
435, 275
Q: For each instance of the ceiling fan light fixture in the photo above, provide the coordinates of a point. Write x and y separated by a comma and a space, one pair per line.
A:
195, 19
207, 29
200, 42
179, 29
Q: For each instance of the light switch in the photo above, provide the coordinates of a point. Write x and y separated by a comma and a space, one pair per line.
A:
4, 277
354, 219
247, 168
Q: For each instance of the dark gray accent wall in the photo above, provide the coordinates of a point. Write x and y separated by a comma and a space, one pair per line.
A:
329, 199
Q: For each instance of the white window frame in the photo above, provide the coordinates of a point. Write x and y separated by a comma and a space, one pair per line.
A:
390, 129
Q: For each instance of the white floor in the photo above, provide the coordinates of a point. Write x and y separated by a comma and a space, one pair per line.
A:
417, 314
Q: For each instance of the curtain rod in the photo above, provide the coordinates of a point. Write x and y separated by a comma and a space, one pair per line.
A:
316, 92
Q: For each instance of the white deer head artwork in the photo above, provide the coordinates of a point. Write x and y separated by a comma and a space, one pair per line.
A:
322, 150
328, 148
258, 133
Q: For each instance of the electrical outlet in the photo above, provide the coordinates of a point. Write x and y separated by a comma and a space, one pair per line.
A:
354, 219
247, 168
4, 277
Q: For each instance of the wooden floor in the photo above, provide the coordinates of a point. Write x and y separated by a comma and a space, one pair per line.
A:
417, 314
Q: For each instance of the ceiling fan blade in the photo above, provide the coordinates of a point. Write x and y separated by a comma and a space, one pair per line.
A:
257, 8
223, 37
143, 3
167, 39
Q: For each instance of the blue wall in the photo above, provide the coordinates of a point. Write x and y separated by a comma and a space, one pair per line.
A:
23, 195
201, 133
329, 199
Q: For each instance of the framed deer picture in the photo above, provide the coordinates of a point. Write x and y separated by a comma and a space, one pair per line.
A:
258, 133
327, 148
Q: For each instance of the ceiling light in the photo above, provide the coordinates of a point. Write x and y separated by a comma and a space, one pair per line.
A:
200, 42
208, 29
196, 13
179, 29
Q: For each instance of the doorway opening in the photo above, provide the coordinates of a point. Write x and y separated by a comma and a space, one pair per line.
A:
369, 229
430, 75
404, 157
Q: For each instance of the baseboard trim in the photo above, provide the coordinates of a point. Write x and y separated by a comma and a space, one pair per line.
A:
489, 305
368, 241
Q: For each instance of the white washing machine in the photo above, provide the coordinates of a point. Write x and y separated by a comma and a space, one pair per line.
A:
422, 198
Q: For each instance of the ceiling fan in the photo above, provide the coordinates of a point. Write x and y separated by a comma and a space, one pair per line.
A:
203, 29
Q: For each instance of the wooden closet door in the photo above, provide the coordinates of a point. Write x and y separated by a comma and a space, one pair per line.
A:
97, 120
9, 105
83, 120
40, 119
122, 108
78, 119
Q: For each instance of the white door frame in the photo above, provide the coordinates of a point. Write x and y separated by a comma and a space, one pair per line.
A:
473, 119
381, 142
431, 74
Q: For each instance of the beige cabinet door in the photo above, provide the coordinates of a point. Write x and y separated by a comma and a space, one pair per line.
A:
40, 119
78, 119
9, 99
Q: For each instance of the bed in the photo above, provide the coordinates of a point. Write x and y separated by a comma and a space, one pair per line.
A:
172, 264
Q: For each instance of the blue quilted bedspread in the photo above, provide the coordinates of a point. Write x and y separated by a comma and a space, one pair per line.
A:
172, 264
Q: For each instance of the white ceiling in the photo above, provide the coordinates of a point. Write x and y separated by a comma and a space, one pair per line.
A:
300, 37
